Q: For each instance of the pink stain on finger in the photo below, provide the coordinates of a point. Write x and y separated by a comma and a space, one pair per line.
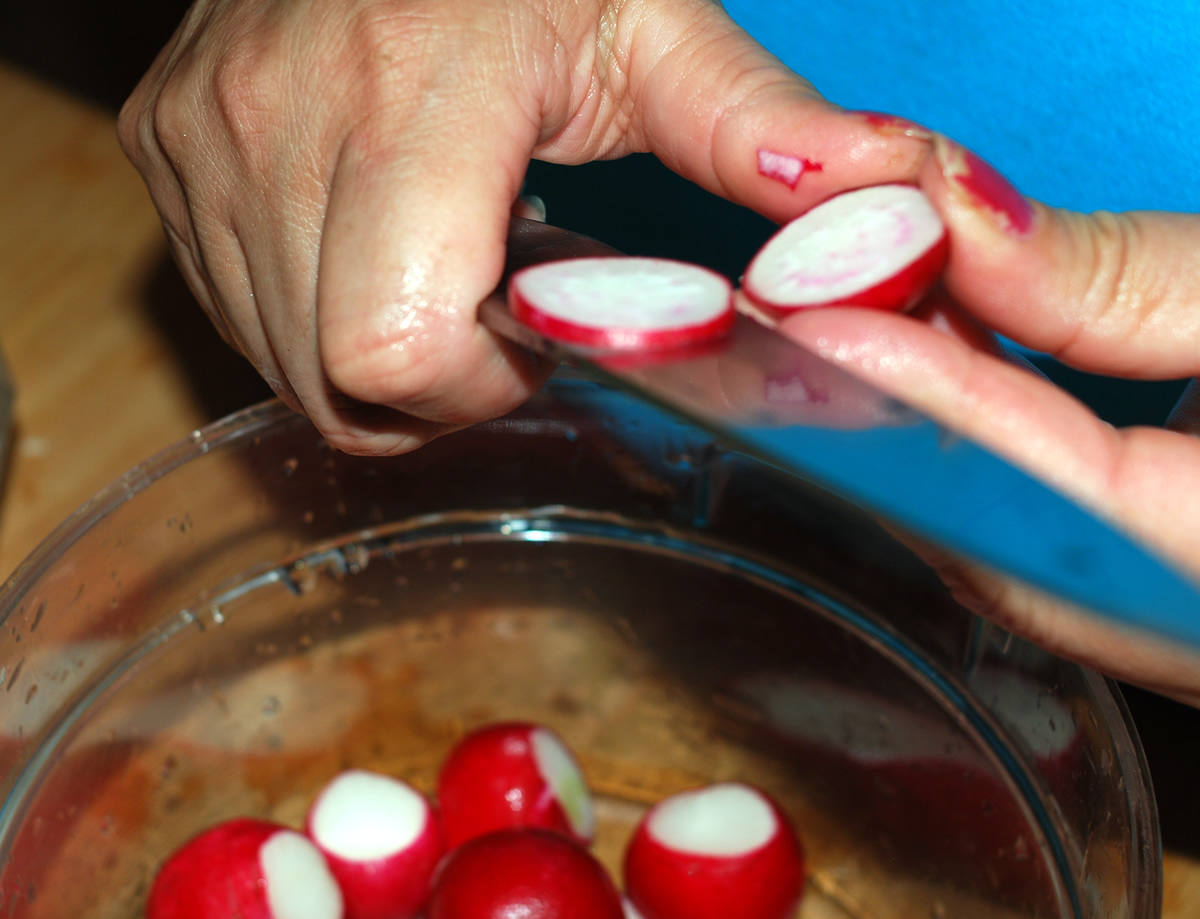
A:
783, 167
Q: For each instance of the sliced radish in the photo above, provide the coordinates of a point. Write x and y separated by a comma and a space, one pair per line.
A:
513, 774
881, 247
623, 303
523, 873
714, 852
252, 869
382, 841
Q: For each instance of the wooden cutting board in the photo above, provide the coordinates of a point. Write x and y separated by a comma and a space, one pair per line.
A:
111, 359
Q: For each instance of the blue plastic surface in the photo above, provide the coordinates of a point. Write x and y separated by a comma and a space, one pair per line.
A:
1082, 104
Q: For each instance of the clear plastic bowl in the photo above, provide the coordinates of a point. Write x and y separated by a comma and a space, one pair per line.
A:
236, 620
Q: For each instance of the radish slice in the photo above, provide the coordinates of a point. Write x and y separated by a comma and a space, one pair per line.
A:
623, 303
881, 247
253, 869
523, 873
382, 840
719, 851
513, 774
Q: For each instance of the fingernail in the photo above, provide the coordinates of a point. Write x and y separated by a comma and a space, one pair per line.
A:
531, 207
894, 125
983, 187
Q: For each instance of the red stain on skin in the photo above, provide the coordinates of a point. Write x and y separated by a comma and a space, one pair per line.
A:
783, 167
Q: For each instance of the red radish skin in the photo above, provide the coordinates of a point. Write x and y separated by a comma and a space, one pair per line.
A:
523, 874
251, 869
881, 247
382, 840
513, 774
715, 852
623, 303
784, 168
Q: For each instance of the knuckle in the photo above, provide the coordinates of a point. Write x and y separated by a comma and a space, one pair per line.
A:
165, 122
394, 372
1113, 290
247, 91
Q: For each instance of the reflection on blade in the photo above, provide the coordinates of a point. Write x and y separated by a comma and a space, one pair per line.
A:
768, 397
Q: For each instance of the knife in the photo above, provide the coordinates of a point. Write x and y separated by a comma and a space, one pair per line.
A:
759, 393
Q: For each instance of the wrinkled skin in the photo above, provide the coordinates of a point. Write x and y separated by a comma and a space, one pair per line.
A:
336, 176
336, 179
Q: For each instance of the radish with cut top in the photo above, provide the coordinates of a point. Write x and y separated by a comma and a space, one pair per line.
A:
882, 247
512, 774
252, 869
722, 850
623, 302
524, 872
382, 840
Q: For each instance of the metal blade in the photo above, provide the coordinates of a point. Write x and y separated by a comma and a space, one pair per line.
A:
768, 397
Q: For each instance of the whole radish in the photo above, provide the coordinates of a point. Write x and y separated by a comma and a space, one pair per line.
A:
714, 852
382, 840
623, 303
511, 774
882, 247
523, 873
249, 869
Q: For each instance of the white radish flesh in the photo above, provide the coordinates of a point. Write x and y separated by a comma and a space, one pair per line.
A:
253, 869
297, 881
718, 851
363, 816
510, 774
382, 840
882, 247
725, 820
558, 766
623, 303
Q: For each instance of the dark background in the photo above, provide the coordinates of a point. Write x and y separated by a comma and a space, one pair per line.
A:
98, 51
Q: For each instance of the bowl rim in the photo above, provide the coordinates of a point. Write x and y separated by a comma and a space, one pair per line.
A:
243, 423
252, 420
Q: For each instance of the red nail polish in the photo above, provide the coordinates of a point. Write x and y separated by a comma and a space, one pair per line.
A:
986, 187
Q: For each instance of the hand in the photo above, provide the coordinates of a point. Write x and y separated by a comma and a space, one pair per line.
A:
1113, 294
336, 176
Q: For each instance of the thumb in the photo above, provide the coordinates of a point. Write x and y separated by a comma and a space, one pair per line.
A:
1109, 293
720, 110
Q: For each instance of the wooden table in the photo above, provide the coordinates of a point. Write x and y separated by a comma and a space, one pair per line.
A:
111, 358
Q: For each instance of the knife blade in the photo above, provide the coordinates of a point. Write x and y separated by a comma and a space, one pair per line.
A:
768, 397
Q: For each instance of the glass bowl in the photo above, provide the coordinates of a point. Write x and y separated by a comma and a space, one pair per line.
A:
233, 622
